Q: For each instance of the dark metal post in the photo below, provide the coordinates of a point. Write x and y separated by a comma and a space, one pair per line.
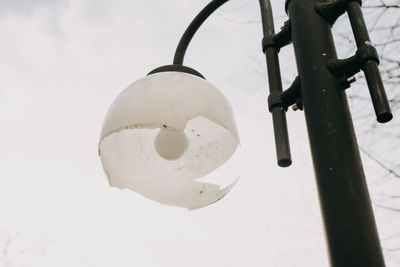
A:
349, 221
275, 87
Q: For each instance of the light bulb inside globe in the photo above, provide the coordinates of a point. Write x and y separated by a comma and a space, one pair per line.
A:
170, 144
164, 133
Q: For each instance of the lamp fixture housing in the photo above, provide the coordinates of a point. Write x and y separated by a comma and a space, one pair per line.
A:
166, 131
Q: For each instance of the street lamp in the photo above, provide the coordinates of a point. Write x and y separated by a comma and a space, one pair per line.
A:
172, 127
164, 132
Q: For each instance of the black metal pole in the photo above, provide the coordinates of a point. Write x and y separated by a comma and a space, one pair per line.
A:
346, 208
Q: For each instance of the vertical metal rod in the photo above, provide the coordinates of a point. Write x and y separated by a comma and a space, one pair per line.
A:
346, 208
370, 68
282, 146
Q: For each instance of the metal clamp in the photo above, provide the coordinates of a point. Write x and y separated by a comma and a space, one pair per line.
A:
278, 40
332, 10
289, 97
354, 64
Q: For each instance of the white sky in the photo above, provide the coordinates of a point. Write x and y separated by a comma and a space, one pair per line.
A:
61, 65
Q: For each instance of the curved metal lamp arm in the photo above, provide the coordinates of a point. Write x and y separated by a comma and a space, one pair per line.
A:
266, 17
193, 27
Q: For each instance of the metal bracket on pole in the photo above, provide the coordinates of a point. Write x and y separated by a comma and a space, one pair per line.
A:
346, 68
278, 40
287, 98
366, 57
332, 10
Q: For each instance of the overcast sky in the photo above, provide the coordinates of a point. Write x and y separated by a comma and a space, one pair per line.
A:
61, 65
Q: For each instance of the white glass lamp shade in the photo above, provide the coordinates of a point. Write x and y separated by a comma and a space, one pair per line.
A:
163, 133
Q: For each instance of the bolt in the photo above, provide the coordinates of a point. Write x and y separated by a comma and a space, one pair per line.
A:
351, 79
367, 43
295, 107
